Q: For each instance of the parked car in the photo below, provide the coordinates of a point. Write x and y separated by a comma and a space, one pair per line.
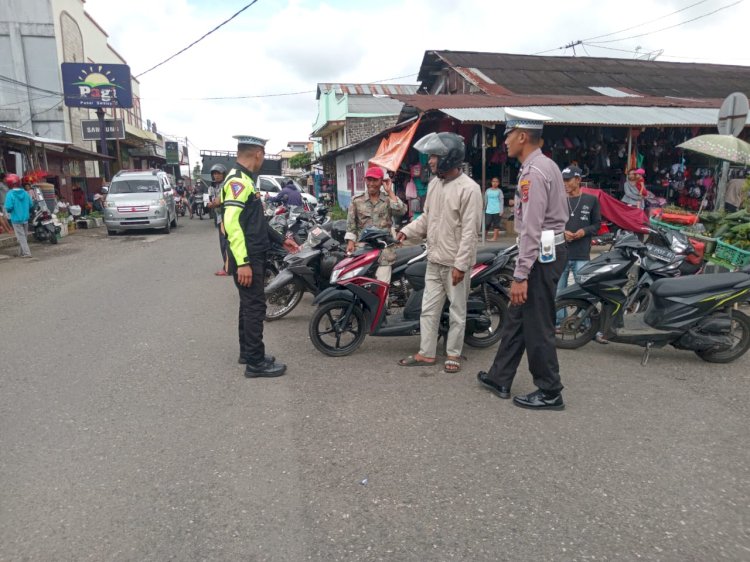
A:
140, 199
271, 185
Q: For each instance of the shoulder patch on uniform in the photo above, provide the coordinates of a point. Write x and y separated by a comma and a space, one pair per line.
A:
237, 187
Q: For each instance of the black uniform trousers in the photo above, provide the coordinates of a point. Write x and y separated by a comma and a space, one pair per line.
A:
252, 313
531, 328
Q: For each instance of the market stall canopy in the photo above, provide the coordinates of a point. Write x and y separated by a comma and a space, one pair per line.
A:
78, 153
724, 147
604, 115
617, 212
27, 138
394, 147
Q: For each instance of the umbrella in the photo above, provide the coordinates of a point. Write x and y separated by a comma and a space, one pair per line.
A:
725, 147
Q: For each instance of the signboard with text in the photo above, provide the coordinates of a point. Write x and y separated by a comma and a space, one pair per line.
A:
113, 129
96, 85
173, 152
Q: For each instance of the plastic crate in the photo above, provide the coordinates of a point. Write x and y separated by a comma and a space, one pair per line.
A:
731, 254
655, 222
707, 240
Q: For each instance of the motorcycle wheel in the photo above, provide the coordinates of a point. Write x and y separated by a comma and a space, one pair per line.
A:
740, 330
52, 237
40, 234
575, 331
282, 301
329, 336
498, 312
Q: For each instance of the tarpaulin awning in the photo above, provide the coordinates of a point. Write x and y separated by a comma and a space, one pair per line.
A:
394, 147
617, 212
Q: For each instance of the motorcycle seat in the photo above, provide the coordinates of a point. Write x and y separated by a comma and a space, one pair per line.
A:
404, 254
697, 284
486, 257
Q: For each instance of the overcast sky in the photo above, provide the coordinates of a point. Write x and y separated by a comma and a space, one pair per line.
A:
282, 46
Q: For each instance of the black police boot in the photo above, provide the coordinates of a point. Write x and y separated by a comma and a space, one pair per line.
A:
540, 400
502, 391
266, 358
264, 369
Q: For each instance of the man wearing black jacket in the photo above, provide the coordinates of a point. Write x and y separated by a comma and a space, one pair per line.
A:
249, 237
584, 221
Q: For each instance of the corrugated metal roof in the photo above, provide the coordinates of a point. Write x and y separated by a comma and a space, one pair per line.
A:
427, 102
374, 105
368, 89
529, 74
606, 115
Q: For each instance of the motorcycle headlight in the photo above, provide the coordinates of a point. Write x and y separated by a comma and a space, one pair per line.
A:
353, 273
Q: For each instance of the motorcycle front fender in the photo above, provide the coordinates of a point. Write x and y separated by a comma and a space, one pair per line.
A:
334, 293
285, 276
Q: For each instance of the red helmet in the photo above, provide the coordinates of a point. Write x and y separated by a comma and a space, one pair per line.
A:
12, 180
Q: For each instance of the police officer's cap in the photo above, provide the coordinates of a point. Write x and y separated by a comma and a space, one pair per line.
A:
250, 140
522, 119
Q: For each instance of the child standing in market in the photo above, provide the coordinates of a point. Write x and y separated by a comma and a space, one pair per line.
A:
493, 208
18, 205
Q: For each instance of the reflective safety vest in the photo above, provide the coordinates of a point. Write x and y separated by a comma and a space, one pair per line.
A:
245, 226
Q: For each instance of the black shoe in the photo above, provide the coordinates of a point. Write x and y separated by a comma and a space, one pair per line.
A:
266, 359
540, 400
265, 369
502, 391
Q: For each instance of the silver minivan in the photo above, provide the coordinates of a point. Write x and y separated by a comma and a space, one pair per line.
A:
140, 199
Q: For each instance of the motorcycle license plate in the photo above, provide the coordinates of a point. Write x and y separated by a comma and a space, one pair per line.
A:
661, 254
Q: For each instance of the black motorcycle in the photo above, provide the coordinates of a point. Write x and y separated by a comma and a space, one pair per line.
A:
42, 225
692, 313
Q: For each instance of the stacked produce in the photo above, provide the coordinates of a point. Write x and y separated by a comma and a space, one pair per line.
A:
732, 228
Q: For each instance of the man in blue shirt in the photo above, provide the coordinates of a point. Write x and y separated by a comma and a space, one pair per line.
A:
18, 205
289, 196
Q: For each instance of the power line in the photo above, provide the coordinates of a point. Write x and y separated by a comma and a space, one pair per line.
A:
25, 85
197, 40
663, 55
642, 24
646, 23
256, 96
669, 27
22, 125
29, 100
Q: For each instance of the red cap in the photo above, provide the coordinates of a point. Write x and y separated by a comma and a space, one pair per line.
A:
375, 172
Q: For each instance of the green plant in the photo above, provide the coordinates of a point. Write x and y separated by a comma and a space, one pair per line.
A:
337, 213
94, 215
300, 161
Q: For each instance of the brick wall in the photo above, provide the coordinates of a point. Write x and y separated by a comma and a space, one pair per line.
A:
360, 128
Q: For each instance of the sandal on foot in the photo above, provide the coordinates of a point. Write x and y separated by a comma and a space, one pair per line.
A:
221, 273
412, 361
452, 366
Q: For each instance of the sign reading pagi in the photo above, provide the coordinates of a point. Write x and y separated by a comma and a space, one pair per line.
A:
96, 85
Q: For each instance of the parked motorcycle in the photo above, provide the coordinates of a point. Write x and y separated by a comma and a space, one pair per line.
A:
356, 305
42, 225
311, 271
693, 313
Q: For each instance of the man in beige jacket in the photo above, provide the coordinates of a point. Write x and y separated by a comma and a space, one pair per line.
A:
451, 223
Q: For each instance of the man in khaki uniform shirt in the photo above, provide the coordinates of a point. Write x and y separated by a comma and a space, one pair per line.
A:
451, 222
376, 209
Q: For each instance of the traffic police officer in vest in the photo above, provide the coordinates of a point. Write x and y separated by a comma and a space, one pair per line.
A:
249, 237
541, 213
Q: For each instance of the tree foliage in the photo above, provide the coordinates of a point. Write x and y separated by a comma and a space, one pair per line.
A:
300, 161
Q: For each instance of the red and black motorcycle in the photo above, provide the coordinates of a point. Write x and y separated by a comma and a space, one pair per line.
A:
356, 305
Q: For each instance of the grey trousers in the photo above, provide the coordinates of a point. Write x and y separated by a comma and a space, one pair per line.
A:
21, 230
438, 286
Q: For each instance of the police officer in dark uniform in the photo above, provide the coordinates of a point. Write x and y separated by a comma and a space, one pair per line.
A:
541, 212
249, 237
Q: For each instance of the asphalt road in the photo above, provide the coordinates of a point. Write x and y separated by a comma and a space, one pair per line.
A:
128, 432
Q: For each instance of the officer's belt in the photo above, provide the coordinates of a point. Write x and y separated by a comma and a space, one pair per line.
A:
559, 239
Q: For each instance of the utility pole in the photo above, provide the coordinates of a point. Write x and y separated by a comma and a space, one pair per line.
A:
187, 150
573, 46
